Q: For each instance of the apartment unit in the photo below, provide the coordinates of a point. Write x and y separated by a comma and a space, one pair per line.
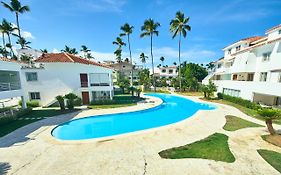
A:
168, 72
11, 89
56, 74
251, 69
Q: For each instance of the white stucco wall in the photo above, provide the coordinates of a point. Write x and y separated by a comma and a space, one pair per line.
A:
61, 79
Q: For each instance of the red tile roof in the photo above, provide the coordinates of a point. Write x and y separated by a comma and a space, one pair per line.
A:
273, 28
66, 58
249, 39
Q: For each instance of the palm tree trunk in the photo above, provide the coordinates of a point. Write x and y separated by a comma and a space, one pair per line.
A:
132, 74
180, 61
18, 24
11, 49
270, 127
152, 62
3, 40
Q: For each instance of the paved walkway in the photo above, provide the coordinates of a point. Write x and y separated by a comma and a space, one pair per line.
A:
135, 153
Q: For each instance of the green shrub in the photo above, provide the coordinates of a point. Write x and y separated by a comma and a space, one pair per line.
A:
31, 104
78, 102
23, 112
5, 109
242, 102
70, 100
60, 100
6, 120
220, 95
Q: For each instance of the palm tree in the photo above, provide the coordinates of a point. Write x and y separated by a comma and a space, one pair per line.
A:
179, 26
3, 51
127, 60
44, 50
143, 58
7, 28
69, 50
23, 43
85, 50
89, 56
162, 59
149, 28
119, 42
16, 7
127, 31
175, 63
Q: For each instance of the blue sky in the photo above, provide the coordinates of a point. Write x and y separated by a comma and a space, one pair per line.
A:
96, 23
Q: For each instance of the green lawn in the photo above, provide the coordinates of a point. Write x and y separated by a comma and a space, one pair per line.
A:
37, 114
234, 123
111, 106
272, 157
191, 93
215, 147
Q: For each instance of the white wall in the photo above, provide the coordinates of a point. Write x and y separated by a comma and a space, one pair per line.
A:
61, 79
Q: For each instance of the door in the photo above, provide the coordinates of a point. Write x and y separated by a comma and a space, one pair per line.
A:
84, 80
85, 98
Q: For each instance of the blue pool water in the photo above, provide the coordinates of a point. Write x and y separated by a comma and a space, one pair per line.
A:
172, 110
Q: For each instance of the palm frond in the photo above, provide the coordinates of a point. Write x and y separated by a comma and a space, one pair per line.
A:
7, 6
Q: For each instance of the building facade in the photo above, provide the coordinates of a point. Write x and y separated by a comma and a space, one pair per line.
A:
62, 73
251, 69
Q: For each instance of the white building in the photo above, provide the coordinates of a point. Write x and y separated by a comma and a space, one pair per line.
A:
251, 69
167, 72
62, 73
11, 80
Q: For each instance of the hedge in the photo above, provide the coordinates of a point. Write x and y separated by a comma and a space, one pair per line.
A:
242, 102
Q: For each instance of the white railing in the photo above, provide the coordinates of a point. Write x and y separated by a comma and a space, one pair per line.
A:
9, 86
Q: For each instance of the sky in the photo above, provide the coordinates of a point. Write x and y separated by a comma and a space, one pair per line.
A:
214, 24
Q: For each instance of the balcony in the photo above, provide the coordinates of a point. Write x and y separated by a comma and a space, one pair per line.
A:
9, 86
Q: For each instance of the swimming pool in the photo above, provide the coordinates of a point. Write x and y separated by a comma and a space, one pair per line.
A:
173, 109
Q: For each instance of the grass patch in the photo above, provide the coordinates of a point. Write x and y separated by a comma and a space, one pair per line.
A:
14, 124
235, 123
273, 139
215, 147
191, 93
248, 111
272, 157
111, 106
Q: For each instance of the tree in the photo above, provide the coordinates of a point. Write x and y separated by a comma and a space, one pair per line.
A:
23, 43
162, 59
2, 30
149, 28
119, 42
69, 50
175, 63
144, 78
193, 70
7, 28
269, 115
26, 59
3, 52
16, 7
127, 30
60, 99
70, 100
210, 66
44, 50
123, 83
179, 26
127, 60
143, 58
85, 50
209, 89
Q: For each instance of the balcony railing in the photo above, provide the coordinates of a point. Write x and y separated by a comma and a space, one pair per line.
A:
84, 84
9, 86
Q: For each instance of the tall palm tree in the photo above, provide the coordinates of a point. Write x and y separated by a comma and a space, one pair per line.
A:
69, 50
23, 43
44, 50
119, 42
179, 26
16, 7
118, 52
127, 30
8, 29
2, 30
85, 50
162, 59
143, 58
149, 28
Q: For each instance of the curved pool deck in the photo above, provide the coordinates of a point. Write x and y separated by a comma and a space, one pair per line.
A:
40, 153
173, 109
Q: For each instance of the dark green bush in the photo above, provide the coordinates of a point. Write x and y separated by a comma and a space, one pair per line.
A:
6, 120
23, 112
124, 99
242, 102
78, 101
220, 95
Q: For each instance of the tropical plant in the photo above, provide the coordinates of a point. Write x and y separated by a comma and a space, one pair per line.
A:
70, 50
123, 83
127, 60
144, 78
269, 115
23, 43
149, 28
26, 58
127, 30
209, 89
16, 7
179, 26
7, 28
175, 63
210, 66
3, 51
132, 89
119, 42
85, 50
162, 59
44, 50
60, 99
138, 91
2, 30
70, 100
89, 56
143, 58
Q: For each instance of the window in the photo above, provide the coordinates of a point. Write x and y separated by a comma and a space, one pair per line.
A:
266, 56
101, 79
238, 48
279, 32
279, 79
100, 95
229, 51
263, 76
231, 92
170, 71
31, 76
34, 96
219, 65
250, 77
163, 70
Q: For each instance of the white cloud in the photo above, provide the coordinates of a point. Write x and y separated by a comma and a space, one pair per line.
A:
27, 35
55, 50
